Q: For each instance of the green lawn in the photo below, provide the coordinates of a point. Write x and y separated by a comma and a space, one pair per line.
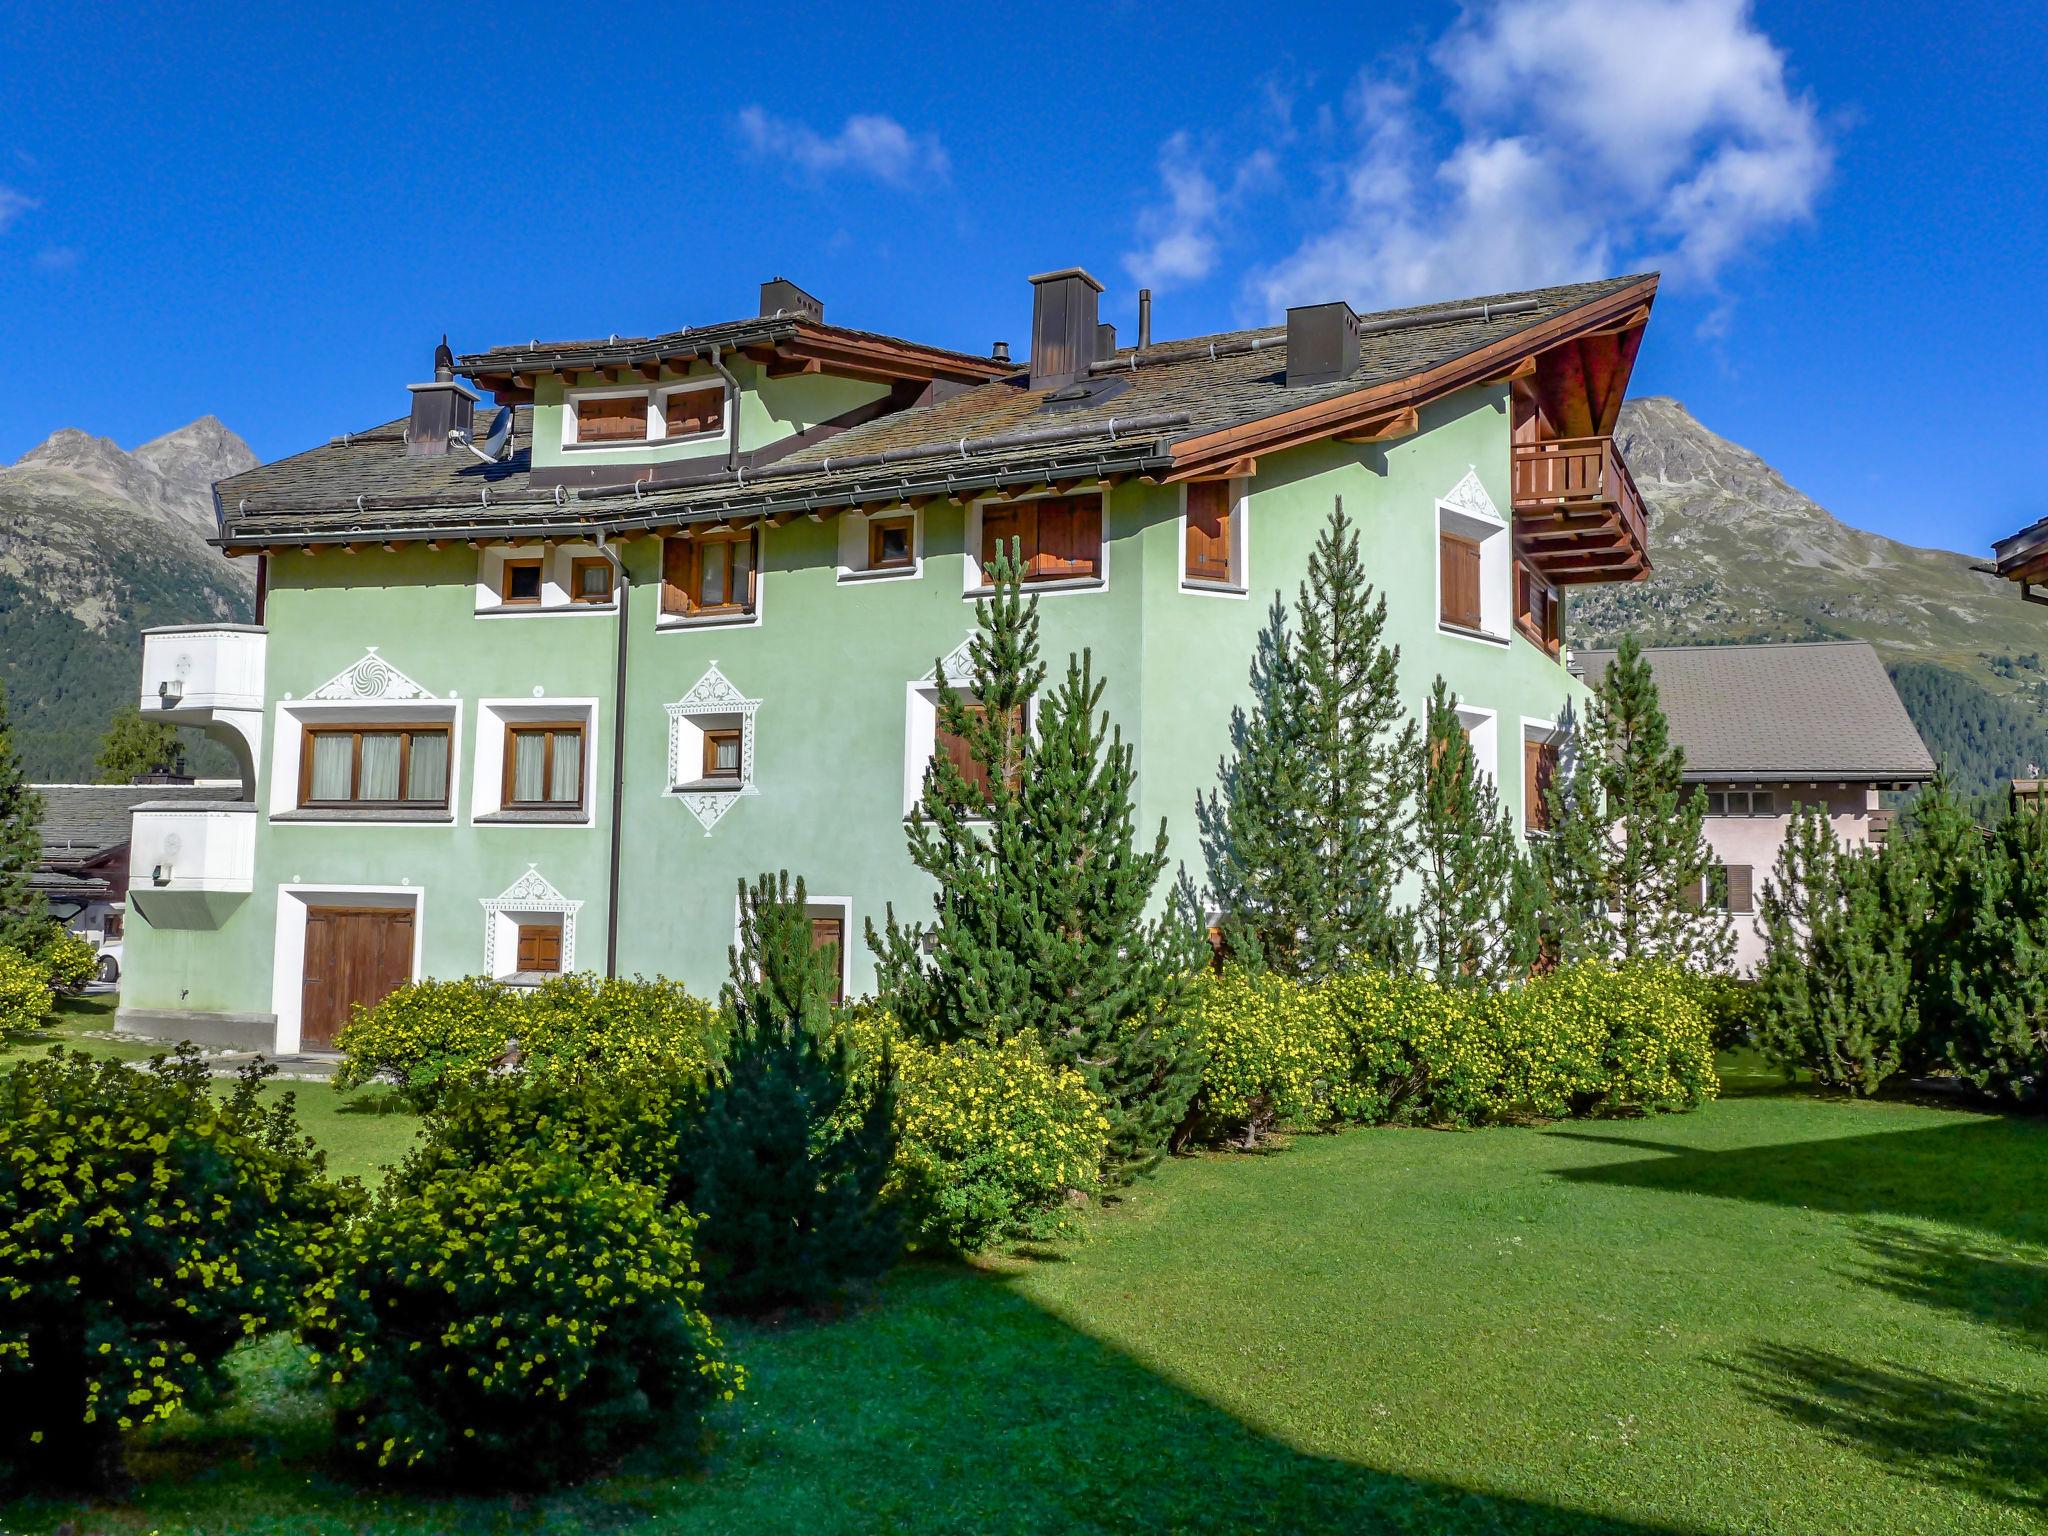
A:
1780, 1314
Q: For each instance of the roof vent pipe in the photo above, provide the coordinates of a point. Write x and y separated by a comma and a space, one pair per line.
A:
441, 411
1063, 335
1144, 318
1000, 352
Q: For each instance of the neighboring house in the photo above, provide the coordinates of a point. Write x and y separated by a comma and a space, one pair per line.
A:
83, 874
2023, 558
1767, 728
536, 692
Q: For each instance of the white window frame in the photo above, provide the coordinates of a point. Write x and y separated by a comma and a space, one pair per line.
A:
1496, 574
572, 419
487, 788
557, 596
712, 697
1482, 729
853, 545
657, 422
529, 897
814, 906
974, 584
294, 715
1239, 586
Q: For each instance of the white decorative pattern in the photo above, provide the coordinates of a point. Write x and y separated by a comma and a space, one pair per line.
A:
956, 666
1468, 495
528, 895
371, 678
711, 695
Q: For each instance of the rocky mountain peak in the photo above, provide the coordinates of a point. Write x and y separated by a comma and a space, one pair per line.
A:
169, 478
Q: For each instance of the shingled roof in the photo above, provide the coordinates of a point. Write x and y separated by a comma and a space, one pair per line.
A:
1782, 712
1144, 411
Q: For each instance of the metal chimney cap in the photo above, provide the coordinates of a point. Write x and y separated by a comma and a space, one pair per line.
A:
1066, 272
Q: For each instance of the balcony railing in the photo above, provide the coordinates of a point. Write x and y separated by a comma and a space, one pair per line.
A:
1578, 515
183, 845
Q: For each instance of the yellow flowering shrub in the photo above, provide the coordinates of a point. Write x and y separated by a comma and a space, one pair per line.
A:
992, 1141
527, 1321
24, 995
70, 960
1660, 1045
147, 1226
1274, 1054
431, 1037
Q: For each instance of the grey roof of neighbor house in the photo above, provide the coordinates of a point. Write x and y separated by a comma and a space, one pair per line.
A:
82, 821
316, 493
1782, 712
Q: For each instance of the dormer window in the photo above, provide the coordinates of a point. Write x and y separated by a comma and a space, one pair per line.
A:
619, 417
610, 418
693, 412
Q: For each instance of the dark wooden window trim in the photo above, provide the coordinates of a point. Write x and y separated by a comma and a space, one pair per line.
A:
877, 527
682, 572
584, 563
405, 731
712, 737
1539, 770
1538, 611
540, 583
553, 730
832, 930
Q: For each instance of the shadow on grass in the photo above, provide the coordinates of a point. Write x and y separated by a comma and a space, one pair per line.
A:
1974, 1172
955, 1404
2003, 1286
1973, 1436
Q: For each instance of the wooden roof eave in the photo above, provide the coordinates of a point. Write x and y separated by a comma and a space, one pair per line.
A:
1194, 457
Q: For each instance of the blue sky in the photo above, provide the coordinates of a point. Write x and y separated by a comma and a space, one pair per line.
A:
271, 214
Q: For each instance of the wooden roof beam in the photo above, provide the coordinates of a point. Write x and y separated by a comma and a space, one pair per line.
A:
1402, 423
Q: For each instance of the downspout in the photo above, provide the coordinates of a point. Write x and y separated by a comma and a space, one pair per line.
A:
622, 584
732, 410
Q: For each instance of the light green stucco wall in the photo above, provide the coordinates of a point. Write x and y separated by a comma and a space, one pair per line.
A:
770, 410
832, 664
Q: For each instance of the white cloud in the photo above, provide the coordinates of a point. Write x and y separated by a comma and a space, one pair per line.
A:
867, 144
1535, 141
13, 205
1180, 233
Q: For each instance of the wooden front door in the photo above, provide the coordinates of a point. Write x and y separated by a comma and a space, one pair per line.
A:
353, 955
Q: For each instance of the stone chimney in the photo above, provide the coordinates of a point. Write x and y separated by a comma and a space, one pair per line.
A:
779, 296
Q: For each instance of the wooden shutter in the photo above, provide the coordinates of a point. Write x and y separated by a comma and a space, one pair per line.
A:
540, 947
998, 526
954, 748
693, 411
678, 574
1741, 893
1208, 552
1539, 764
831, 931
1460, 596
622, 419
1069, 540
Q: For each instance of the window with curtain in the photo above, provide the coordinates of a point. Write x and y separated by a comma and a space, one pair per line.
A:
350, 765
714, 573
590, 580
544, 766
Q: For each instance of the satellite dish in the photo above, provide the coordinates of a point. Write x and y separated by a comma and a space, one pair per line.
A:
496, 446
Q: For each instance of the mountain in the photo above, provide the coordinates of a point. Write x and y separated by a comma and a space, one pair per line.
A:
97, 544
1742, 555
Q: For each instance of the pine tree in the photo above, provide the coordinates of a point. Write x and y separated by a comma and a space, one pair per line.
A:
24, 920
1938, 847
2000, 978
1263, 873
1306, 839
1835, 990
134, 746
1474, 912
1363, 753
786, 1174
1627, 865
1042, 890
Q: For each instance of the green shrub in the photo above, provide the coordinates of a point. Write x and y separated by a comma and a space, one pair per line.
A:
432, 1037
992, 1140
1377, 1014
526, 1321
147, 1226
24, 995
623, 1124
1659, 1052
1273, 1054
1999, 1042
1552, 1034
1729, 1002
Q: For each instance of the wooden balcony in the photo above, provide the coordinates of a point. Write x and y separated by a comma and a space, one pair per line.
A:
1578, 516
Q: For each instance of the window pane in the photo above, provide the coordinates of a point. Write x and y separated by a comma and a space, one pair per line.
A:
529, 758
333, 755
713, 584
522, 582
726, 759
379, 779
594, 580
742, 569
566, 784
427, 773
